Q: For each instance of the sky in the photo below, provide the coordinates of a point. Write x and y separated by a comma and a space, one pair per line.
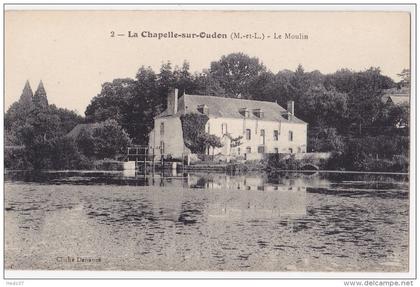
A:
74, 54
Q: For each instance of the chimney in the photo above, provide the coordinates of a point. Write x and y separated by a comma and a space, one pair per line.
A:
172, 105
290, 109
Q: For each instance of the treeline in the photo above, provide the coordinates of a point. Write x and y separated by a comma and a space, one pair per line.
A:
344, 110
37, 137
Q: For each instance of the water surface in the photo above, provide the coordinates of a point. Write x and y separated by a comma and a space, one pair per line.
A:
252, 222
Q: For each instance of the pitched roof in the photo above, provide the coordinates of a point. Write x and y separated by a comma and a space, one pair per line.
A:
74, 133
40, 91
399, 100
27, 93
230, 108
397, 91
397, 96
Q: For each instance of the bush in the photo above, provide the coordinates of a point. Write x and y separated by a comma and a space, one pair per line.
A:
108, 164
64, 154
107, 140
380, 153
16, 159
283, 162
401, 163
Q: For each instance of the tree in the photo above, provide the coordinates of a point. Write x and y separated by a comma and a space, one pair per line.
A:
405, 76
65, 155
235, 73
207, 85
144, 106
279, 89
106, 140
184, 81
68, 119
209, 140
165, 82
323, 108
325, 140
235, 142
131, 103
393, 120
364, 90
300, 82
86, 143
112, 102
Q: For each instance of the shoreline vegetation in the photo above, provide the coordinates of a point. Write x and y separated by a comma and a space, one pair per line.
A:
346, 113
309, 171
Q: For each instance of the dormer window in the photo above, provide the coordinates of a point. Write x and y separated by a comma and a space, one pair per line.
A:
258, 113
204, 109
244, 112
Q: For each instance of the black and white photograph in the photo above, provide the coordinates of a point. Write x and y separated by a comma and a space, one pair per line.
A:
241, 142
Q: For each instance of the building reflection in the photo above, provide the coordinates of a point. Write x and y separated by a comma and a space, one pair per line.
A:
251, 197
233, 197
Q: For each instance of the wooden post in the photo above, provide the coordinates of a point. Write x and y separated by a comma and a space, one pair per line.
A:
153, 161
145, 155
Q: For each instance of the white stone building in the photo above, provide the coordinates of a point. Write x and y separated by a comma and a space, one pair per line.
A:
265, 127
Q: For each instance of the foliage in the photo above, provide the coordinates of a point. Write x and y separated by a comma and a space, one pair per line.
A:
235, 142
106, 140
325, 140
123, 101
236, 73
23, 121
64, 155
344, 112
16, 159
209, 140
380, 153
277, 161
86, 143
323, 107
405, 76
193, 127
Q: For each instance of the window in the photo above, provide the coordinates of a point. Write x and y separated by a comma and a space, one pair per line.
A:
290, 150
224, 128
290, 136
244, 112
248, 149
276, 135
248, 134
203, 109
208, 128
261, 149
162, 128
258, 113
239, 150
276, 150
262, 137
162, 147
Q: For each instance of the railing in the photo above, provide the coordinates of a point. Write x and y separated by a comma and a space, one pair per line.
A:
139, 153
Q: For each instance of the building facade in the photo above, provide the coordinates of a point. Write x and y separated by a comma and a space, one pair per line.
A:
261, 127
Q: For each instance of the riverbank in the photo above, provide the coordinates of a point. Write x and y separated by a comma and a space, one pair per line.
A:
219, 169
272, 163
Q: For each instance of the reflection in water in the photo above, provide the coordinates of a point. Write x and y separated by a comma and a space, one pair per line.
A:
207, 222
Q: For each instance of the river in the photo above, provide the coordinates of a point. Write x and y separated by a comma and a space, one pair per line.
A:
206, 221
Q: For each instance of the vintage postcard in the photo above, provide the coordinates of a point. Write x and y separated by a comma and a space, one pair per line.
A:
241, 140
